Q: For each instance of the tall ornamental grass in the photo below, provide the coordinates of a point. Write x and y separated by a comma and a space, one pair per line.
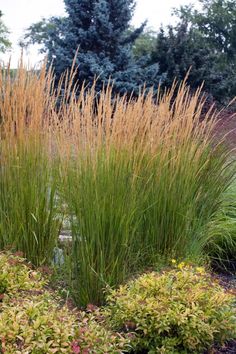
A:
142, 179
139, 179
28, 210
221, 232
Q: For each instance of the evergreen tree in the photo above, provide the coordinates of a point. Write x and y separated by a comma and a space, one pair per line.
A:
144, 44
216, 21
4, 41
203, 40
100, 29
180, 49
214, 25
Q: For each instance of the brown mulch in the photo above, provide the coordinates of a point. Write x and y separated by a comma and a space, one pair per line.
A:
228, 348
228, 281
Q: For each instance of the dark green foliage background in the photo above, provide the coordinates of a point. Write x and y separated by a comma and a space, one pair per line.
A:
203, 39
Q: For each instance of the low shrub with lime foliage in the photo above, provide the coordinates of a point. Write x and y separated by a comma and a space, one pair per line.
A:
34, 320
17, 276
180, 310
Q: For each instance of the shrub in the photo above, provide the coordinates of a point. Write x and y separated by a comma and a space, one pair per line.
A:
38, 325
35, 325
34, 320
17, 276
180, 310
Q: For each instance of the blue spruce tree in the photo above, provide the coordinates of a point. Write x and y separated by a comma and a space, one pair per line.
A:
100, 30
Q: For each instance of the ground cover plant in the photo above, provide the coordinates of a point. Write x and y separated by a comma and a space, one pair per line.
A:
180, 310
33, 319
138, 179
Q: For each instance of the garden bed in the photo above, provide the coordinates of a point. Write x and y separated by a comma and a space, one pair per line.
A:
35, 319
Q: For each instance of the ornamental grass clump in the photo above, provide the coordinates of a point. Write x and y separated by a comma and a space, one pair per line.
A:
141, 179
221, 232
138, 179
180, 310
28, 209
